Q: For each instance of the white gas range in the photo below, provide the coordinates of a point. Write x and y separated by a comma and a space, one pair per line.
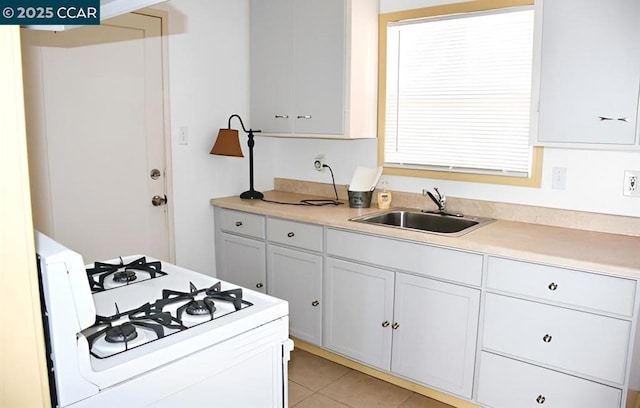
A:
134, 331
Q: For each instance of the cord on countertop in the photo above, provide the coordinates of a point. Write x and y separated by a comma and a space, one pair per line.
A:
318, 202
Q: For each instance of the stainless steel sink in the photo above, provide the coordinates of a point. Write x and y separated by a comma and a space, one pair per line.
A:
410, 219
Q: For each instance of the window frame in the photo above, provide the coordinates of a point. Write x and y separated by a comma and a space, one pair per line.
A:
535, 176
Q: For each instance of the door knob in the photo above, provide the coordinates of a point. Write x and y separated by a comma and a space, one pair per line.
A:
158, 200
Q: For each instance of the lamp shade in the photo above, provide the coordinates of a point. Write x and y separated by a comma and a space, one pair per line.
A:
227, 144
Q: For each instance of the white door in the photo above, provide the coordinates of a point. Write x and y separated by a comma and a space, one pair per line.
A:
96, 130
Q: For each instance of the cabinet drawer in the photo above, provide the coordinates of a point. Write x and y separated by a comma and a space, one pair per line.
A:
582, 289
296, 234
582, 342
242, 223
507, 383
458, 266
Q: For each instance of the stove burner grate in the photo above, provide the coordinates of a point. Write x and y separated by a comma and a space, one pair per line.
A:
122, 273
145, 317
161, 318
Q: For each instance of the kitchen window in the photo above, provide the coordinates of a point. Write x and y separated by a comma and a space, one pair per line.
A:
456, 93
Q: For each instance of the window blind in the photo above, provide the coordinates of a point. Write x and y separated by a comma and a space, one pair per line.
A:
459, 93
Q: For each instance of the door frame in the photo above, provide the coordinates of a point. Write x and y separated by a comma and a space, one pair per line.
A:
166, 111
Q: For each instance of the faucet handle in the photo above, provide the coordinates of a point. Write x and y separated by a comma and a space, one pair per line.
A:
441, 198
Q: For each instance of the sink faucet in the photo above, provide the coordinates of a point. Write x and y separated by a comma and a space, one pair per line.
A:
441, 202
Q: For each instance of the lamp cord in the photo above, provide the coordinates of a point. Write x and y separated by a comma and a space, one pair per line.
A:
318, 202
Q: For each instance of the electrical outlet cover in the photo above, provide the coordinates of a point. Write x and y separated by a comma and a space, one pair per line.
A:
631, 180
319, 162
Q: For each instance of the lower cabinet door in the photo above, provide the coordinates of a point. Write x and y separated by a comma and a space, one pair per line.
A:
242, 261
358, 312
296, 277
507, 383
435, 333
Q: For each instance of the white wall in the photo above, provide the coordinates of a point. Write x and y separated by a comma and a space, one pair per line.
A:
209, 81
209, 75
593, 183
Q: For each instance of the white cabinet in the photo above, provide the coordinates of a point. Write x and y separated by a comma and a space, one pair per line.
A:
358, 312
436, 326
294, 273
314, 67
578, 342
240, 248
281, 257
556, 335
590, 73
507, 383
423, 329
296, 277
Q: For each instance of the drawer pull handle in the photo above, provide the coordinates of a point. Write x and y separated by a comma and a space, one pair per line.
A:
553, 286
304, 116
603, 118
259, 285
547, 338
385, 324
238, 223
315, 303
395, 326
282, 116
540, 399
291, 234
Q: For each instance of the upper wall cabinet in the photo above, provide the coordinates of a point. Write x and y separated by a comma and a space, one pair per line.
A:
314, 68
590, 73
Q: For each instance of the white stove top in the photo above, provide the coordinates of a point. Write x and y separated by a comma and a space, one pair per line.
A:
86, 363
147, 309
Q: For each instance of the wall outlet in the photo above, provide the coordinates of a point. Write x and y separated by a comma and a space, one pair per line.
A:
631, 180
319, 162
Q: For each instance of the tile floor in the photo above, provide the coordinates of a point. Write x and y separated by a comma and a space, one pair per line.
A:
318, 383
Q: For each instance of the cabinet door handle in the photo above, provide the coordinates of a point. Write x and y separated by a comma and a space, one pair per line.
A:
282, 116
547, 338
385, 324
603, 118
304, 116
291, 234
553, 286
259, 285
540, 399
315, 303
395, 326
238, 223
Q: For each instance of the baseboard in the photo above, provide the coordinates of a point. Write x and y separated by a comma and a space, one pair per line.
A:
400, 382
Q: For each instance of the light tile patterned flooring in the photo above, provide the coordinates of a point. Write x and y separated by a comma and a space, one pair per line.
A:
318, 383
